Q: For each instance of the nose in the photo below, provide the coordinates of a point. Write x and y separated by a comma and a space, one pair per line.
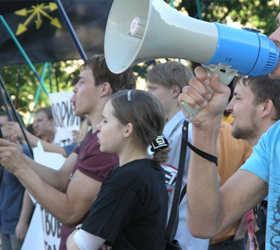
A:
275, 36
98, 126
72, 99
229, 107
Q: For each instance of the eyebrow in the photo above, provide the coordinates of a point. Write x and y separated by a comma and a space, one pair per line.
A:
236, 93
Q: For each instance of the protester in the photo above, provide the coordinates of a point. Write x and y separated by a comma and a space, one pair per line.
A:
249, 124
166, 81
130, 211
68, 193
49, 147
244, 190
11, 199
44, 125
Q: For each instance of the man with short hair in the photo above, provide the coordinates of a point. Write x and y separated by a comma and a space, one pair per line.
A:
166, 81
249, 124
68, 193
44, 125
256, 179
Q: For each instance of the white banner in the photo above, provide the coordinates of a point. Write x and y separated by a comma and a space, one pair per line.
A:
44, 230
64, 117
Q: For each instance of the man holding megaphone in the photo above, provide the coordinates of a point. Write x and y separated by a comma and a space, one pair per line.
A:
256, 179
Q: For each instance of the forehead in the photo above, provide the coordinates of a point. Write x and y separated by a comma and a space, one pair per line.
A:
278, 19
3, 119
41, 115
87, 74
108, 109
243, 90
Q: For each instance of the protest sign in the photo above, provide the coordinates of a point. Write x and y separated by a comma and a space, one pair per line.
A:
64, 117
44, 227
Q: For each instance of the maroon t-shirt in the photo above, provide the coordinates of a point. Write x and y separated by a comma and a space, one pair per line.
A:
92, 163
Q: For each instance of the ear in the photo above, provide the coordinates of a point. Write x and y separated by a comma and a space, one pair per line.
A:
128, 130
268, 108
106, 89
176, 91
52, 122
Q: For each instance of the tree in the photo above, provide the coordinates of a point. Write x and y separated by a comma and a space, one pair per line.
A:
259, 14
29, 83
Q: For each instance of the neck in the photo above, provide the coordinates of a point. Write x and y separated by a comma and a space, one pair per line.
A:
95, 116
132, 154
50, 135
172, 111
266, 124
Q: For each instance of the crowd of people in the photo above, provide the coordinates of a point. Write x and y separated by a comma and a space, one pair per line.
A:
116, 187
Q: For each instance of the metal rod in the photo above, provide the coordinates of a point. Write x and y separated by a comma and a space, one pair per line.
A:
70, 29
15, 113
23, 53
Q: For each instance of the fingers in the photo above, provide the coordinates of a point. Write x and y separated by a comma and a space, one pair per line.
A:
197, 94
201, 75
5, 143
20, 235
13, 138
5, 158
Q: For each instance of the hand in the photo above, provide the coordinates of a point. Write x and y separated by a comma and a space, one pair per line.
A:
197, 95
75, 135
21, 230
11, 154
105, 247
14, 128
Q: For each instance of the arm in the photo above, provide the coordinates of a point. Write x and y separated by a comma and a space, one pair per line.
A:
69, 207
82, 240
58, 179
211, 209
26, 212
15, 129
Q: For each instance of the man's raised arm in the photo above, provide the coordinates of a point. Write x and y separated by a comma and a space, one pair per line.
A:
210, 210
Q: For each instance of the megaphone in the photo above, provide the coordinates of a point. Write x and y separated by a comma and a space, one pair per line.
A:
143, 30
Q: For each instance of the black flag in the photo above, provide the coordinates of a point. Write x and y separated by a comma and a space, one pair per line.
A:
40, 30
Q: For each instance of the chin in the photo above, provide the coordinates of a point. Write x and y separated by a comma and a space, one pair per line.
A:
275, 74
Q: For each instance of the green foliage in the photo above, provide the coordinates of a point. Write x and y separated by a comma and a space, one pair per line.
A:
29, 84
261, 14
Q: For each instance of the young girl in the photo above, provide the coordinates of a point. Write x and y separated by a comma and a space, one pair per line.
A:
130, 210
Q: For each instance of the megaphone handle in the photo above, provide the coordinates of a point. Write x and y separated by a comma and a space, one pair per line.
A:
225, 75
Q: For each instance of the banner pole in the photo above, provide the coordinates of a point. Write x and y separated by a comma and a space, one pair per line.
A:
38, 92
23, 53
70, 29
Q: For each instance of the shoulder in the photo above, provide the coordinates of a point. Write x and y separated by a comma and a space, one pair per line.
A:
139, 171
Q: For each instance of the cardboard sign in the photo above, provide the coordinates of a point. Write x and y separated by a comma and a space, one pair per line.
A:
64, 117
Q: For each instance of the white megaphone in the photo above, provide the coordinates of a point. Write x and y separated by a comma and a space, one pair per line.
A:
143, 30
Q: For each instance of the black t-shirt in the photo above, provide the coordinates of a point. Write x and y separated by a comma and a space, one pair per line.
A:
130, 210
